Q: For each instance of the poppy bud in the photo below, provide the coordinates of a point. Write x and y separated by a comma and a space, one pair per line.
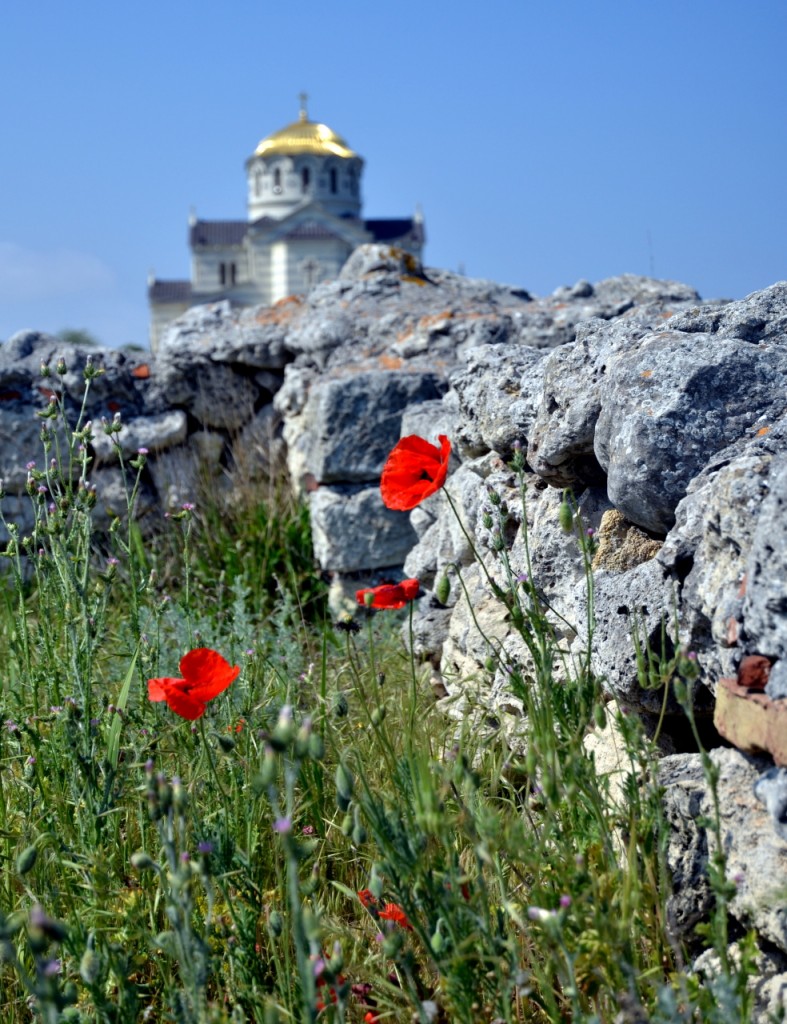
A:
284, 731
339, 706
566, 516
437, 942
344, 785
443, 589
347, 825
359, 834
378, 715
266, 776
316, 747
90, 965
375, 882
26, 860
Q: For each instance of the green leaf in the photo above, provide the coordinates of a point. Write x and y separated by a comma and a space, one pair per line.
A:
113, 746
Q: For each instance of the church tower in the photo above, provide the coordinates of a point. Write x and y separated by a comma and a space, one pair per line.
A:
304, 219
302, 163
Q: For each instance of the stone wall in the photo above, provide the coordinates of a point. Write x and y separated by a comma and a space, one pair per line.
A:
666, 417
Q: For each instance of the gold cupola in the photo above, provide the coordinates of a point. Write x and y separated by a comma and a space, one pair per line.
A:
306, 162
304, 136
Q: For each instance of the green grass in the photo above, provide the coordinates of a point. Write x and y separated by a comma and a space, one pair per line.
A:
157, 869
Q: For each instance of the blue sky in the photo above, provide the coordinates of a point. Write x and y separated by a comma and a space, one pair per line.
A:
545, 142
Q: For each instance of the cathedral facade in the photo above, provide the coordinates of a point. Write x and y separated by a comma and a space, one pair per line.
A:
304, 220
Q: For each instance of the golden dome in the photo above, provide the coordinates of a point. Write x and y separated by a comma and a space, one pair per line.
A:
304, 136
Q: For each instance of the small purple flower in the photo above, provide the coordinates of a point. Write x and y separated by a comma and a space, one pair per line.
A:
319, 967
50, 968
283, 826
590, 532
523, 578
185, 857
692, 656
188, 506
11, 725
205, 847
31, 760
565, 900
29, 466
142, 451
113, 561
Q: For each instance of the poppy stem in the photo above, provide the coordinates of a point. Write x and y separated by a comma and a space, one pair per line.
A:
214, 772
414, 695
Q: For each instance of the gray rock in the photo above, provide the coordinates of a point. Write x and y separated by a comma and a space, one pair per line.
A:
761, 316
765, 602
668, 406
708, 548
639, 603
17, 509
258, 451
113, 493
353, 530
756, 857
354, 421
156, 433
771, 790
175, 473
560, 443
216, 333
498, 391
20, 443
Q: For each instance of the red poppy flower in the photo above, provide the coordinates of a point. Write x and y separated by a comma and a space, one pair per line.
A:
392, 912
389, 595
205, 675
366, 896
414, 470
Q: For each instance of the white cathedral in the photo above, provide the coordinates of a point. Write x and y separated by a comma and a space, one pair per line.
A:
304, 220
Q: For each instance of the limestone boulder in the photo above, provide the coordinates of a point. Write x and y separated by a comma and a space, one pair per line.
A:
764, 610
756, 856
352, 422
498, 392
670, 404
352, 529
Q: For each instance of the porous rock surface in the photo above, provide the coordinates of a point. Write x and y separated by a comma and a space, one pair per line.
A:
666, 418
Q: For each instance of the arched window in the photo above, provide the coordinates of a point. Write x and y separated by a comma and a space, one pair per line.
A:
277, 179
334, 182
258, 181
305, 179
